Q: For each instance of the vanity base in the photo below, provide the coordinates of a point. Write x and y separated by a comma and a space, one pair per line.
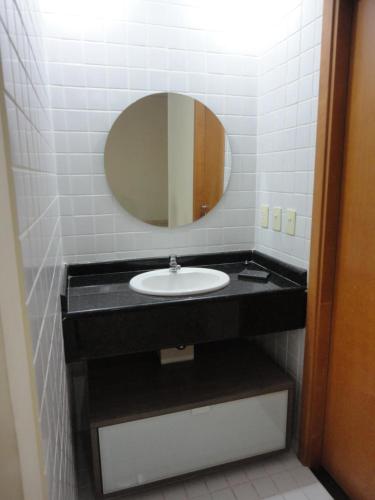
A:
151, 422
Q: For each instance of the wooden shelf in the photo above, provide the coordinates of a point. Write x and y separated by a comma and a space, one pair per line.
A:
136, 386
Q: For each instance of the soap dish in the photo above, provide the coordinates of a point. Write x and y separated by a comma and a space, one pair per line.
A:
250, 274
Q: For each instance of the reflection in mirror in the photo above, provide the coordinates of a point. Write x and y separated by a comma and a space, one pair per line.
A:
167, 159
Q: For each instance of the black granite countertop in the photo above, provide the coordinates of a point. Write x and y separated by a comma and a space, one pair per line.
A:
104, 287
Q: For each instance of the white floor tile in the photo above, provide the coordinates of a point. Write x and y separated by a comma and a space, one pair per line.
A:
295, 495
149, 495
195, 488
284, 481
273, 465
290, 461
236, 476
176, 492
316, 492
245, 491
226, 494
265, 487
216, 482
303, 476
255, 471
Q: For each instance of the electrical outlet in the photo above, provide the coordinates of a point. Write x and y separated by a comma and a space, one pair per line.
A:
291, 221
276, 219
264, 215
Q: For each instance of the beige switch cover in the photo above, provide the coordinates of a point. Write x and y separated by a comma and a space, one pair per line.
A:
291, 221
264, 215
276, 221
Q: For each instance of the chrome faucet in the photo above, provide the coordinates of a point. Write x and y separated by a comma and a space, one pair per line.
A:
173, 266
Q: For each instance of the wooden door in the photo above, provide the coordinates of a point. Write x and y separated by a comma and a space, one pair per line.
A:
209, 154
349, 433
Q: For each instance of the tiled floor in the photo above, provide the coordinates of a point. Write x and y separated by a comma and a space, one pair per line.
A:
281, 478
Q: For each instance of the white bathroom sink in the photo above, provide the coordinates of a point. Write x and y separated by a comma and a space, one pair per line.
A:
186, 281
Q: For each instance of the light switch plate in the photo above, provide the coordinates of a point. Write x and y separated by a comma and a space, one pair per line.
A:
276, 219
291, 221
264, 215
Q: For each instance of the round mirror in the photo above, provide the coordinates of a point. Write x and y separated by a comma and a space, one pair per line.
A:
167, 159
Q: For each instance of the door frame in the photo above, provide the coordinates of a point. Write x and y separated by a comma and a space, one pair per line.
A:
338, 18
19, 405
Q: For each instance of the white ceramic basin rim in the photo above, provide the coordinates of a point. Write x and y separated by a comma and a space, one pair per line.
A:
186, 281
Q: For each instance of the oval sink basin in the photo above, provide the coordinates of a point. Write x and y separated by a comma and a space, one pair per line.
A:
186, 281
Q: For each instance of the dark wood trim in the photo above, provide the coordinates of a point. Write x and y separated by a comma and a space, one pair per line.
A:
120, 389
104, 422
334, 77
96, 464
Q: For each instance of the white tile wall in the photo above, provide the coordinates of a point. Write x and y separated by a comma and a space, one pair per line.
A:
287, 111
35, 179
101, 59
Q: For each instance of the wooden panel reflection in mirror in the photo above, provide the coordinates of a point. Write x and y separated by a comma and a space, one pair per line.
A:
209, 151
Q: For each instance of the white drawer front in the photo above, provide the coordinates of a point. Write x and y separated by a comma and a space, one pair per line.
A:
142, 451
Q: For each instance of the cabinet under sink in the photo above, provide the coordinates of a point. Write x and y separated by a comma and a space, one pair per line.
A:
152, 423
